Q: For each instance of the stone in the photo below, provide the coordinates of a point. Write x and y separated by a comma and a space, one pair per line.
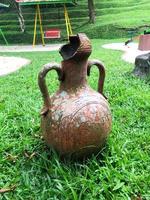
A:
144, 42
142, 65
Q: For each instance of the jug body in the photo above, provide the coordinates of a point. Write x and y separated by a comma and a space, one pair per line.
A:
78, 123
76, 120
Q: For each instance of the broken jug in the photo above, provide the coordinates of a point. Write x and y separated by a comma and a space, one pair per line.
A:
76, 120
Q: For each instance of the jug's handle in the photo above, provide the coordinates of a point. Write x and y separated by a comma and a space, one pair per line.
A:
101, 68
43, 86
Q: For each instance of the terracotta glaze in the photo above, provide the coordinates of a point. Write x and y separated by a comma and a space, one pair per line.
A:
76, 120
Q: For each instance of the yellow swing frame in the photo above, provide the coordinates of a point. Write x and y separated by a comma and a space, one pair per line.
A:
38, 17
68, 24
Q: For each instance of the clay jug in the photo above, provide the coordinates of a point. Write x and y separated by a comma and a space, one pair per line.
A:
76, 120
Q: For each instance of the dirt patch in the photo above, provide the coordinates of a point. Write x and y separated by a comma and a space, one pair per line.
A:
11, 64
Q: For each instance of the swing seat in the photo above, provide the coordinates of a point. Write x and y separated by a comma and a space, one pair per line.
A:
52, 33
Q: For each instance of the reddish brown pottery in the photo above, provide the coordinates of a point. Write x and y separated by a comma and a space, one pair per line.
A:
76, 120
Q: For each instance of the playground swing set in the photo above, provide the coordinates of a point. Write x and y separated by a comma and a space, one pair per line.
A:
53, 32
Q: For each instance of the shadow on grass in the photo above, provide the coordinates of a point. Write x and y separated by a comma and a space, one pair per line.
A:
46, 158
130, 75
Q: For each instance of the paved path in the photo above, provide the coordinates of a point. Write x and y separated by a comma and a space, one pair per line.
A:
11, 64
30, 48
131, 51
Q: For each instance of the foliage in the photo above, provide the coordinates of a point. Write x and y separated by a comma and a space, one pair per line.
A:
121, 172
114, 18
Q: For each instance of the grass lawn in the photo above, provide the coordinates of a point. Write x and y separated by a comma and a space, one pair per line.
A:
123, 170
114, 19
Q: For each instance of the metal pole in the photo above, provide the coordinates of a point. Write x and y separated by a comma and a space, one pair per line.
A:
41, 27
35, 23
68, 24
66, 20
3, 36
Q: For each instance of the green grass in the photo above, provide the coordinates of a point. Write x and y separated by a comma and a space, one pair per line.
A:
121, 172
114, 18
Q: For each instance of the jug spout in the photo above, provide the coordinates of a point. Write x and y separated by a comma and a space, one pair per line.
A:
79, 47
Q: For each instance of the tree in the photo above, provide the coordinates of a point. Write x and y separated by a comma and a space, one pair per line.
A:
17, 7
91, 11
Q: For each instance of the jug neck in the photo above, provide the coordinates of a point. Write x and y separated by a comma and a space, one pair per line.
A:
74, 65
74, 72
